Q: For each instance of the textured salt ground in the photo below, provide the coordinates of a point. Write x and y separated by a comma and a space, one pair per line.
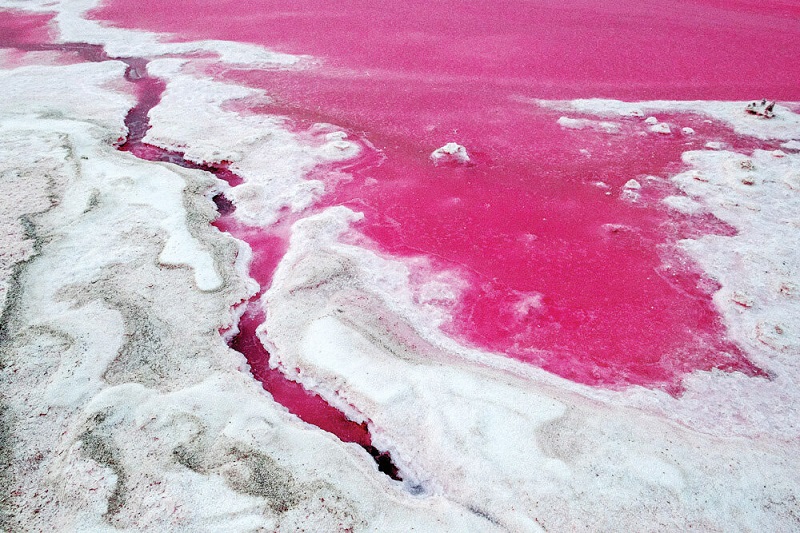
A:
309, 407
267, 248
643, 476
121, 407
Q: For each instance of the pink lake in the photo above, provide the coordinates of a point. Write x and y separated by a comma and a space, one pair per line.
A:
616, 303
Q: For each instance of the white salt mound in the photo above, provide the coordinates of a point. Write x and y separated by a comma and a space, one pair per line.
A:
450, 153
585, 123
651, 120
660, 128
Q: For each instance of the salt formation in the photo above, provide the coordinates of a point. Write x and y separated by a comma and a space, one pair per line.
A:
784, 126
585, 123
792, 145
450, 153
272, 160
660, 128
764, 109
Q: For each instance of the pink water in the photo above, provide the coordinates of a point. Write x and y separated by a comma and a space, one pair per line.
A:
678, 49
21, 28
617, 303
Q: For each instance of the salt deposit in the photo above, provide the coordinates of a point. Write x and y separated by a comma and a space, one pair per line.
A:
784, 126
661, 128
450, 153
792, 145
584, 123
272, 160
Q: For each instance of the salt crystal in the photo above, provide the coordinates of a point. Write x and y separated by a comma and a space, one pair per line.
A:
450, 153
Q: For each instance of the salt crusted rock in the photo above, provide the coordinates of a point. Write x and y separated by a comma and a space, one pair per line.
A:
660, 128
450, 153
764, 109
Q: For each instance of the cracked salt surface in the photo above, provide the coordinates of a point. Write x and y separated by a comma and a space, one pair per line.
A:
127, 410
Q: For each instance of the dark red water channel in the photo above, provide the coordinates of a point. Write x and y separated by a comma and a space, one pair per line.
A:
562, 273
268, 248
20, 33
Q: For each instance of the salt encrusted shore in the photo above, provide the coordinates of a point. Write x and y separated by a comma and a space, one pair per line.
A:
123, 408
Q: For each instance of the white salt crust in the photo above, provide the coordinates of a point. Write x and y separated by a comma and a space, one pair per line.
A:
450, 153
272, 160
124, 408
661, 128
585, 123
784, 126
